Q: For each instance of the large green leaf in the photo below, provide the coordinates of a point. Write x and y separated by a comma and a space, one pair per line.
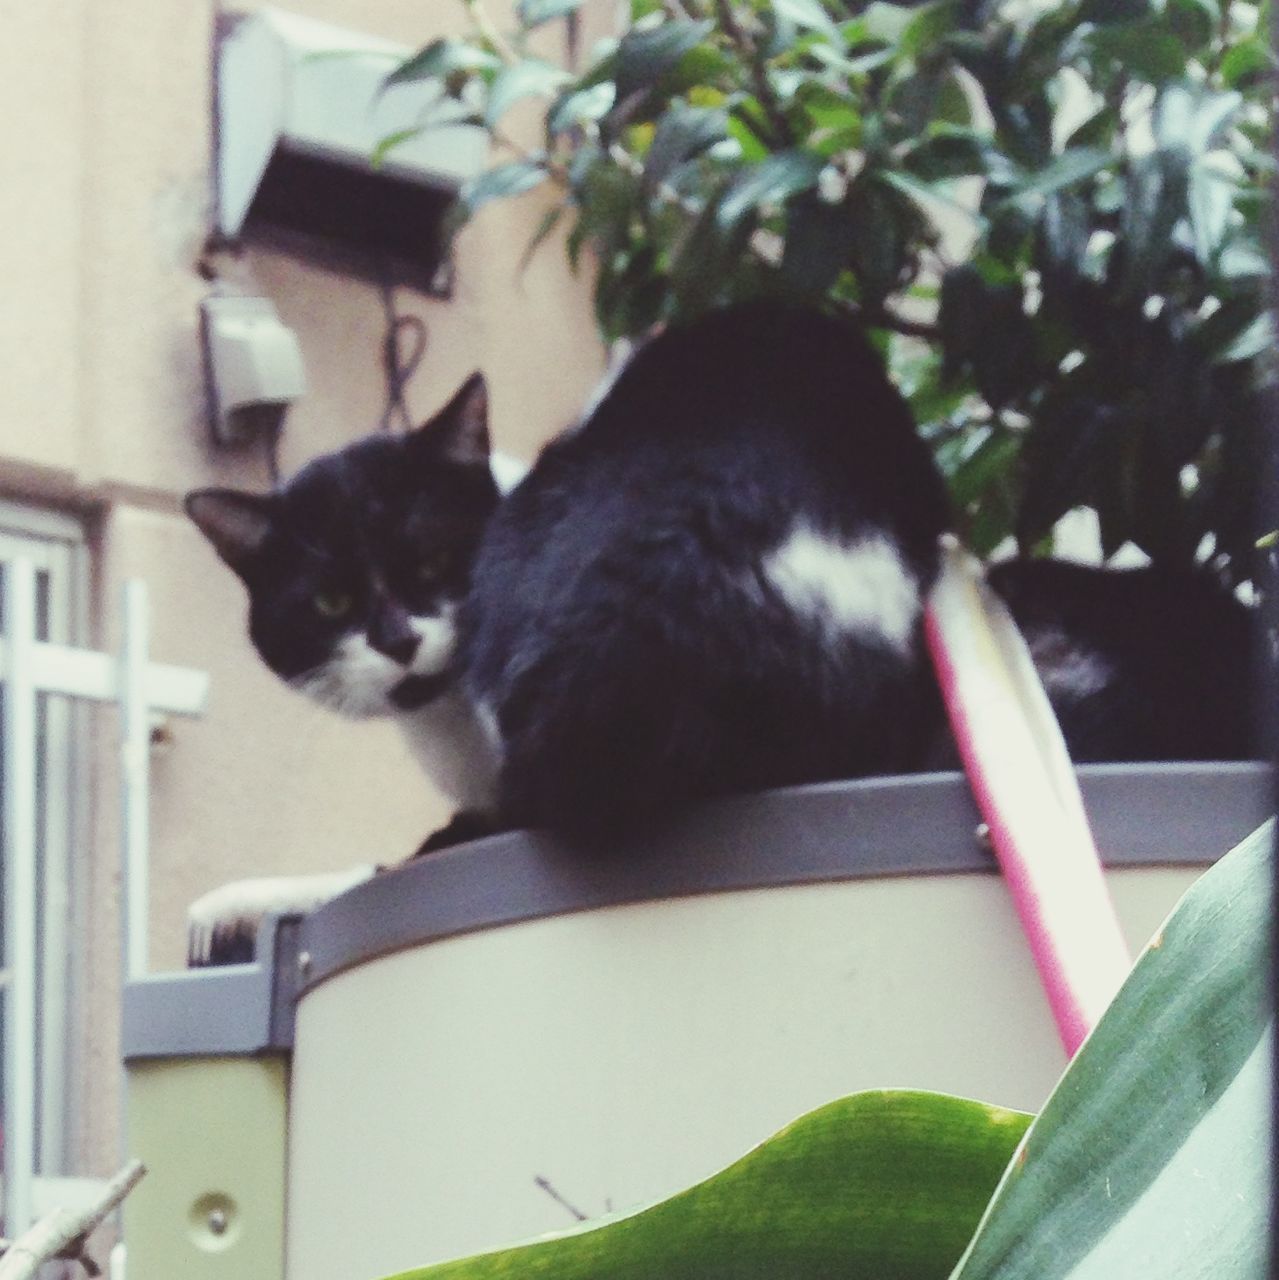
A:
1151, 1156
1149, 1159
882, 1185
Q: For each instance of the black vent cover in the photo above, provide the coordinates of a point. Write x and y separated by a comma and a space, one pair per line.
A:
375, 224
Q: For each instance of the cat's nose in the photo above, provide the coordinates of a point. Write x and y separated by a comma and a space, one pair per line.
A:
391, 632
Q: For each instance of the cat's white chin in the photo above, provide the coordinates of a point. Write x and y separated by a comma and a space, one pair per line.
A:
358, 681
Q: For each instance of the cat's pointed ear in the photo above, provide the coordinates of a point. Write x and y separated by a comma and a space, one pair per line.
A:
460, 431
236, 523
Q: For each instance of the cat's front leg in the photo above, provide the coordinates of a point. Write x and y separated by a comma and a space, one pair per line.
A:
469, 824
223, 924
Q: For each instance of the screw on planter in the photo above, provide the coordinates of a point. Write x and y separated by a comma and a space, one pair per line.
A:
215, 1222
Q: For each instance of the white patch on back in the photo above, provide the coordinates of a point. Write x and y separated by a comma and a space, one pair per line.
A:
1067, 669
862, 587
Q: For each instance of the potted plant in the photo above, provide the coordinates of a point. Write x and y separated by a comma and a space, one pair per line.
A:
1050, 217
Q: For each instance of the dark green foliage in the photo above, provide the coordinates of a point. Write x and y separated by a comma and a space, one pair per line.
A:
1053, 213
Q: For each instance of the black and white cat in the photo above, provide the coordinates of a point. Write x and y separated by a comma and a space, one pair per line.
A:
357, 570
714, 583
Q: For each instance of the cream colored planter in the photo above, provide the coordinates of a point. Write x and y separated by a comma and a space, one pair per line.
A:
489, 1029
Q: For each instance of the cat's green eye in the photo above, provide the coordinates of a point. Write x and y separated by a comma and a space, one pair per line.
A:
332, 604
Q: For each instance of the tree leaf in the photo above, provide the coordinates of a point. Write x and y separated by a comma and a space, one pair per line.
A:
1068, 170
1103, 12
521, 80
1069, 442
546, 224
808, 15
644, 56
1219, 331
388, 144
823, 1197
581, 105
682, 132
983, 466
1143, 49
929, 25
532, 13
707, 256
1210, 202
1246, 63
504, 180
438, 59
950, 153
770, 182
1096, 131
883, 225
1194, 22
1192, 117
753, 149
959, 317
886, 23
1259, 336
1151, 1156
1156, 200
817, 243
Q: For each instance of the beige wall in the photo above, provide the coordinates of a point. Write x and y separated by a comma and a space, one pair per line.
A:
105, 208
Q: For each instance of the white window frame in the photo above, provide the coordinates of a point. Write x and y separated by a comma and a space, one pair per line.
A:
55, 544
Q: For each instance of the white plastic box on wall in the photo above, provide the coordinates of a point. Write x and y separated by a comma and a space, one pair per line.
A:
301, 108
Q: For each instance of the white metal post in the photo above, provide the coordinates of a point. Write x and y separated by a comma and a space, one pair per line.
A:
19, 807
137, 687
135, 758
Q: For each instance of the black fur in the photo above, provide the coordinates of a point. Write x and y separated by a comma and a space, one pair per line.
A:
616, 622
386, 528
619, 626
1172, 651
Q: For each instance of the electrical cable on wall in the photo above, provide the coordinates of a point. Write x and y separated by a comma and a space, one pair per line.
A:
271, 450
398, 363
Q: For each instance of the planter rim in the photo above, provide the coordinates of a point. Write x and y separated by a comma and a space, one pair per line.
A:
922, 824
919, 824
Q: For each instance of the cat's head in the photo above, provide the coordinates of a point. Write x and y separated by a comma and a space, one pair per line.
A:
357, 566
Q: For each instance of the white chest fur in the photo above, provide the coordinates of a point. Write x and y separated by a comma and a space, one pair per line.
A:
447, 740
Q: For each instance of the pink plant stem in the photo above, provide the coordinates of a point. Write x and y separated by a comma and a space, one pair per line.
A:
1026, 791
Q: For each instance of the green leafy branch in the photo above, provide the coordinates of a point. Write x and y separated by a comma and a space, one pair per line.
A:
1052, 215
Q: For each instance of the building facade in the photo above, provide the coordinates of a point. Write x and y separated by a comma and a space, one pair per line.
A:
106, 208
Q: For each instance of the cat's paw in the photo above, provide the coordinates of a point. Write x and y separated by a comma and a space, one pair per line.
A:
222, 925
